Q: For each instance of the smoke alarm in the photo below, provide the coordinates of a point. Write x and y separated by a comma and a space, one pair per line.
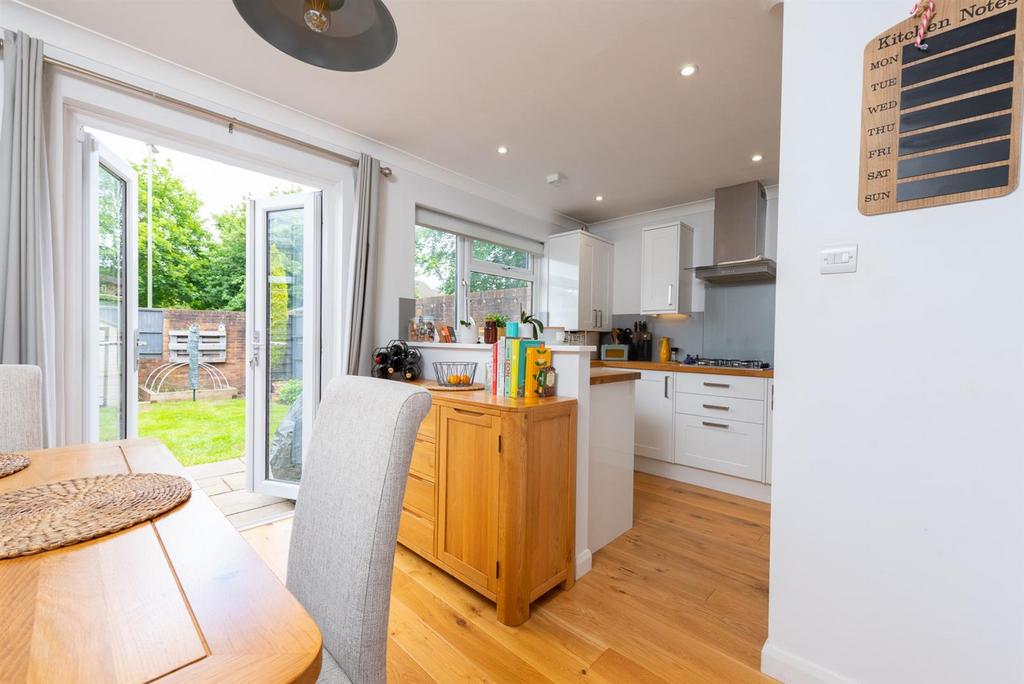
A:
556, 179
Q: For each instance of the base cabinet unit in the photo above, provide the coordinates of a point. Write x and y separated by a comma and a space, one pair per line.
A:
653, 436
724, 446
579, 267
720, 424
491, 496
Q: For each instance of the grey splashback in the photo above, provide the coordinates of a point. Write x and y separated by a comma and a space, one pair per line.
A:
685, 333
739, 321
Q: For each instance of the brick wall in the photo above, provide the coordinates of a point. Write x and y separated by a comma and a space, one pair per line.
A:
510, 302
233, 368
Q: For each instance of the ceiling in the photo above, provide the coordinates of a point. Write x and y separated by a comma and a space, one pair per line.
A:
587, 88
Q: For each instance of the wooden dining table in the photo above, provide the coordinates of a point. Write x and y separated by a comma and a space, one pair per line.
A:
182, 598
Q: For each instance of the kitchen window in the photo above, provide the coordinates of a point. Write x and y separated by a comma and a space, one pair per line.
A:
460, 276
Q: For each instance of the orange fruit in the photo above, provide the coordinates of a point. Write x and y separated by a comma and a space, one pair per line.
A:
453, 379
464, 379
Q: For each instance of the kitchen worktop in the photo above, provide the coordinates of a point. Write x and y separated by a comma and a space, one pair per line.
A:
483, 397
605, 376
682, 368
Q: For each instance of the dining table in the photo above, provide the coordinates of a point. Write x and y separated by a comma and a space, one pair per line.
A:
181, 598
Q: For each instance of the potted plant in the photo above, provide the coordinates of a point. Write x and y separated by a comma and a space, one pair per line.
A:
526, 318
496, 321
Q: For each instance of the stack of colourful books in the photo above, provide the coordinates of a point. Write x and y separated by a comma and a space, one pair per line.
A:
516, 364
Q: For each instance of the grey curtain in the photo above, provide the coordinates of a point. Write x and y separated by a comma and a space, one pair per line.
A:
364, 266
27, 320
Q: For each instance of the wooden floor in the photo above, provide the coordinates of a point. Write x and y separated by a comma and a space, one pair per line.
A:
224, 483
682, 597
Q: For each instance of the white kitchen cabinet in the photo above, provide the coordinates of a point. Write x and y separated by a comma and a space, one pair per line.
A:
666, 285
579, 269
769, 411
730, 447
655, 416
720, 424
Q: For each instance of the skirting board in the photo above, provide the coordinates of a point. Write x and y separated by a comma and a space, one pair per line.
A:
584, 562
704, 478
792, 669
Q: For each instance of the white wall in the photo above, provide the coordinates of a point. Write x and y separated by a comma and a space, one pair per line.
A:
415, 181
400, 195
898, 467
625, 233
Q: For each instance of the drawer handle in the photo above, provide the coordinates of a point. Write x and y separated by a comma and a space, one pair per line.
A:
666, 387
715, 407
715, 425
467, 412
723, 385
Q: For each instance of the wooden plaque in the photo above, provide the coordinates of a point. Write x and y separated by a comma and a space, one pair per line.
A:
943, 125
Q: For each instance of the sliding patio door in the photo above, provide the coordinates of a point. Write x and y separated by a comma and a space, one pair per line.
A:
111, 287
283, 312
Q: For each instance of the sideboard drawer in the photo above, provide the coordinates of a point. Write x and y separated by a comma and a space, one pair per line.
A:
419, 496
416, 533
424, 460
428, 428
721, 385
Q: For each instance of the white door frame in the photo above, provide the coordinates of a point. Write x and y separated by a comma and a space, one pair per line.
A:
96, 154
257, 403
75, 104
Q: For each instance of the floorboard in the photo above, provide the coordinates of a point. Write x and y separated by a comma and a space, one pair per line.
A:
682, 597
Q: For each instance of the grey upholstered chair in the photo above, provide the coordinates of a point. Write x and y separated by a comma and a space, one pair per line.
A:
346, 520
21, 408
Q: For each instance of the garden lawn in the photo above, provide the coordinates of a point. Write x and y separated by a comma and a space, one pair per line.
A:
201, 431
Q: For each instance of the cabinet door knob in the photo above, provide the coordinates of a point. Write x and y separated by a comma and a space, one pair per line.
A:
666, 387
670, 294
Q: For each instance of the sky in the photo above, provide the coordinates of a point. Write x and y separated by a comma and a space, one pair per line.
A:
218, 185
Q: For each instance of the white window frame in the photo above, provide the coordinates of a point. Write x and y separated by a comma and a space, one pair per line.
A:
465, 265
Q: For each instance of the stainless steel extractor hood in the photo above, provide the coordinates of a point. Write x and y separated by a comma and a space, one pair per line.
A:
739, 236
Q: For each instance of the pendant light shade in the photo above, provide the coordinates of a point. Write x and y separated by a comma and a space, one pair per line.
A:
343, 35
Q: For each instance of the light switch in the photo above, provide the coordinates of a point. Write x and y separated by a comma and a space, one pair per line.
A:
838, 259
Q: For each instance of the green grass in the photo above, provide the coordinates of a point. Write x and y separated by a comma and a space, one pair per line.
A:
195, 431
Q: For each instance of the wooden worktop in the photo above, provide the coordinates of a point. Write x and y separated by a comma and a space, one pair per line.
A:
682, 368
483, 397
605, 376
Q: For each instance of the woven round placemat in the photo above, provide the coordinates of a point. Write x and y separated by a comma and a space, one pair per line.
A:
12, 463
71, 511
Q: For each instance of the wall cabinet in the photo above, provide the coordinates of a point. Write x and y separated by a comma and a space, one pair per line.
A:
666, 284
655, 392
579, 282
491, 496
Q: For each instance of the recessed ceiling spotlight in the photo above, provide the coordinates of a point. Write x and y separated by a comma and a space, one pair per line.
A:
688, 70
502, 149
756, 158
599, 198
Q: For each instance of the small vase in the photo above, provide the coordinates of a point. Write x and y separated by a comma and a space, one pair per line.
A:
501, 331
490, 332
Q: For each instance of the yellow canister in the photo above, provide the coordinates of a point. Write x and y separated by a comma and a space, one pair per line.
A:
665, 350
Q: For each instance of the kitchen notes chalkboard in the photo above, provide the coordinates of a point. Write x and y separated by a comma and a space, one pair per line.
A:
943, 125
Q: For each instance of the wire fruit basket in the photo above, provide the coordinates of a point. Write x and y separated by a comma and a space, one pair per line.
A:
454, 373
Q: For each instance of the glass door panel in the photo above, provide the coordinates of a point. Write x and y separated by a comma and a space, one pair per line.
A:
284, 339
112, 222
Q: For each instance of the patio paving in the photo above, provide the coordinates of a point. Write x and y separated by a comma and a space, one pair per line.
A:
224, 483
